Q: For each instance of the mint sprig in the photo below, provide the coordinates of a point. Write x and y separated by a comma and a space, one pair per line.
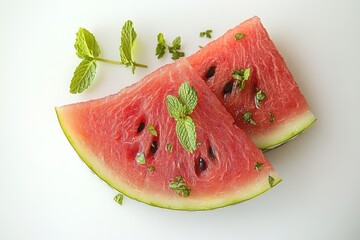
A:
174, 49
179, 108
88, 49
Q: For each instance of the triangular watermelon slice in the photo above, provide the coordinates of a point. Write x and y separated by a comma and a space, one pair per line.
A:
129, 140
269, 106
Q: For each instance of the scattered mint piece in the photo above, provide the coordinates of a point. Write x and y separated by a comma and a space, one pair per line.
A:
119, 198
239, 36
140, 158
206, 33
271, 181
258, 166
179, 186
174, 49
259, 96
247, 118
151, 168
152, 130
241, 75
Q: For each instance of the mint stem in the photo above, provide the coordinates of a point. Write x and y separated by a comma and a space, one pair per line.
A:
118, 62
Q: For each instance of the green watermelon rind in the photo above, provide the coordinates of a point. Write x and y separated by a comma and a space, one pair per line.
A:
285, 133
175, 203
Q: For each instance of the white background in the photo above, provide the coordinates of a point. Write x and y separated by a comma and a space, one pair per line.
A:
47, 192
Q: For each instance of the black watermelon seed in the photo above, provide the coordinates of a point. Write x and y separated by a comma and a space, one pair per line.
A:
211, 152
228, 88
153, 147
141, 127
200, 166
210, 72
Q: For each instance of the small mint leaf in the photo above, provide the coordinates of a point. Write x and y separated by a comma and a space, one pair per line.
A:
175, 108
86, 45
119, 198
83, 76
188, 97
185, 130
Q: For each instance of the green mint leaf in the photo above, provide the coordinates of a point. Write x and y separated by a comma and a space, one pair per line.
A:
140, 158
161, 46
83, 76
177, 54
188, 97
259, 96
239, 36
247, 118
176, 44
206, 33
119, 198
271, 181
128, 36
86, 45
185, 130
257, 166
175, 108
179, 186
152, 130
151, 168
241, 75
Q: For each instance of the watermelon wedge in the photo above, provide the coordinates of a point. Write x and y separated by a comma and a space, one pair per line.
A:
268, 106
129, 140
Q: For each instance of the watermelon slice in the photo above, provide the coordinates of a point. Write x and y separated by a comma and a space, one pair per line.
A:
270, 107
129, 140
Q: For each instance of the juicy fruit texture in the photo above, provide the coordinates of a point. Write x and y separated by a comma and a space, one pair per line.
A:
111, 135
283, 112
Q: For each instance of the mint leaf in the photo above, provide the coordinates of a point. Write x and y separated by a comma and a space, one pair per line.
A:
239, 36
241, 75
174, 49
247, 118
259, 96
161, 46
258, 166
128, 36
152, 130
179, 186
86, 45
119, 198
206, 33
175, 108
185, 130
83, 76
188, 97
271, 181
140, 158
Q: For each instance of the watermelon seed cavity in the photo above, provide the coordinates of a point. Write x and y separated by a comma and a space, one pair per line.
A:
228, 88
210, 72
153, 147
200, 166
211, 152
141, 127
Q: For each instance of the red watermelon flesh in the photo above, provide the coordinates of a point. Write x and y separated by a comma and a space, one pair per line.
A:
109, 133
283, 113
